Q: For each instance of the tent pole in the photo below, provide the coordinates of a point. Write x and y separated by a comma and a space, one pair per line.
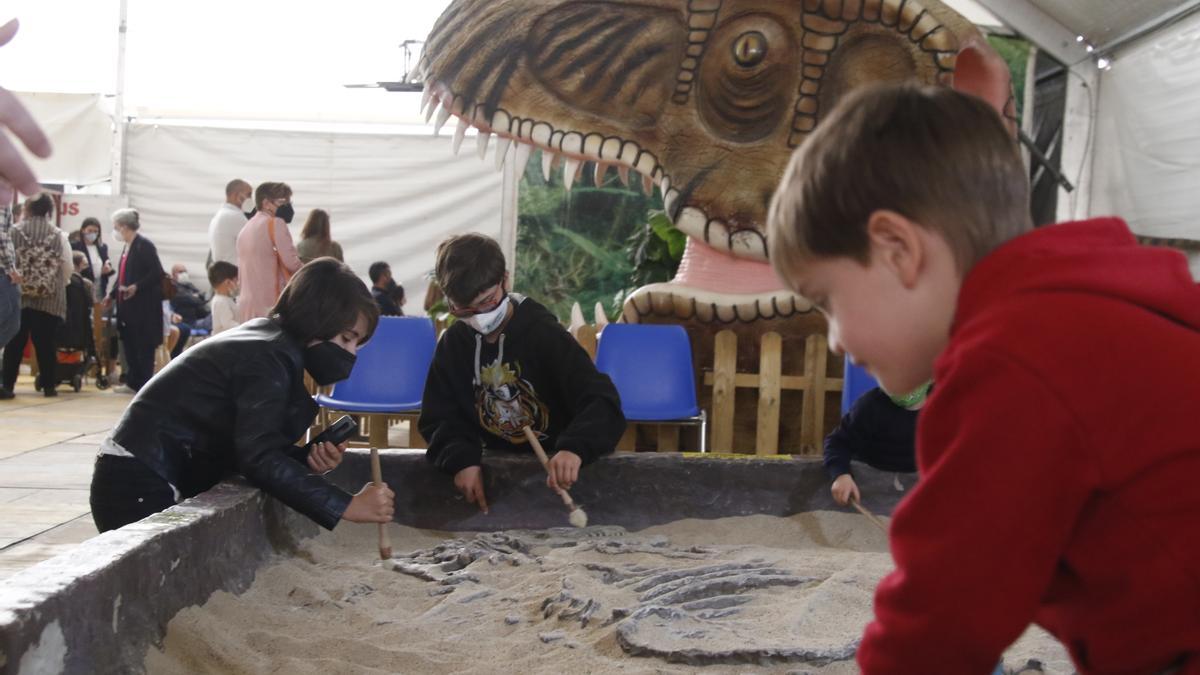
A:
119, 122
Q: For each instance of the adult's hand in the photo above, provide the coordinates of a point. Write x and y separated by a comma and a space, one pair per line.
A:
469, 481
13, 169
15, 277
845, 490
323, 457
373, 504
128, 292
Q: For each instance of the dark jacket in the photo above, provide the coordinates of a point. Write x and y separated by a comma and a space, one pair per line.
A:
141, 314
233, 403
876, 431
189, 302
387, 305
535, 375
92, 271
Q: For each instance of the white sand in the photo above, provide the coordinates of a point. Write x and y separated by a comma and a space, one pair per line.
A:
334, 608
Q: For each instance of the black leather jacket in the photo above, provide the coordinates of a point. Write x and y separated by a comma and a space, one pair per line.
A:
233, 403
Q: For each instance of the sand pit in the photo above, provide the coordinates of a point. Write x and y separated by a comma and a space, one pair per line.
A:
775, 595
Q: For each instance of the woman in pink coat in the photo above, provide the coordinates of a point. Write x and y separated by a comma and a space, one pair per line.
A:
266, 255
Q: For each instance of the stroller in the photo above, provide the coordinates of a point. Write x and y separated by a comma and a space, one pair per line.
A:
75, 343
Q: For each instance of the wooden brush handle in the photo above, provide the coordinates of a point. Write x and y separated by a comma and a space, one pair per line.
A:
385, 542
541, 454
861, 509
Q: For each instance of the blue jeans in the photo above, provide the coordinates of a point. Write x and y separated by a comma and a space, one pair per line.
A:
10, 308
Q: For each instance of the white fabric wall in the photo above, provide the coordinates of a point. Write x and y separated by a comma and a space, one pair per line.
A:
81, 133
1147, 143
390, 197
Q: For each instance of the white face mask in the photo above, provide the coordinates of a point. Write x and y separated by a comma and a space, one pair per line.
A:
91, 237
486, 324
182, 277
116, 235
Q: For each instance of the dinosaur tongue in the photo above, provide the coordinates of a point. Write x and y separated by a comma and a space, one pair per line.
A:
704, 267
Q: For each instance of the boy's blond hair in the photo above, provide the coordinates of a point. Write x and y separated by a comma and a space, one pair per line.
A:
936, 156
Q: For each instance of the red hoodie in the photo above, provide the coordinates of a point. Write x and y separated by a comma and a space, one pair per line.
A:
1059, 458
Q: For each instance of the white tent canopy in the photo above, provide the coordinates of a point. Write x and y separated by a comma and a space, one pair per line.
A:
1130, 145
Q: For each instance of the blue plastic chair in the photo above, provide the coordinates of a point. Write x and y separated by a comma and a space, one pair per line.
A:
651, 366
388, 377
856, 382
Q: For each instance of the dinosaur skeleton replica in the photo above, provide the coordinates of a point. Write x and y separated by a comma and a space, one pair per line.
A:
705, 99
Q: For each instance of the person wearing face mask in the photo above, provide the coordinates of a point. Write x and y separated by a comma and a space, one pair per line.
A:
266, 256
383, 289
236, 403
137, 294
228, 222
99, 268
189, 306
506, 364
223, 278
879, 430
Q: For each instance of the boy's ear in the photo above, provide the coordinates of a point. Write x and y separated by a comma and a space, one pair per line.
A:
896, 243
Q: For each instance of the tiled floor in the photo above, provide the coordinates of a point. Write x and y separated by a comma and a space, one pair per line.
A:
47, 446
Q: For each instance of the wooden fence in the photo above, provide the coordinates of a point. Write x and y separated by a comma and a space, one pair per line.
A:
770, 381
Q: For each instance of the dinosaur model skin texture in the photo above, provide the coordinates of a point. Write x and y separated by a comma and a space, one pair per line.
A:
705, 99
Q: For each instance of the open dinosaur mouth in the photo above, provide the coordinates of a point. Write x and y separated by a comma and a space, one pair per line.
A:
574, 151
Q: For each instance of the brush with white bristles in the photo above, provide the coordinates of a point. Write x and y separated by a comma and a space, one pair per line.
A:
578, 517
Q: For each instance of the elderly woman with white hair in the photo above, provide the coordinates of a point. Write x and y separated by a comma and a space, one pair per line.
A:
138, 295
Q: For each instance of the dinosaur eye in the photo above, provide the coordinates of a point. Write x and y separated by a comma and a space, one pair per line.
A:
749, 49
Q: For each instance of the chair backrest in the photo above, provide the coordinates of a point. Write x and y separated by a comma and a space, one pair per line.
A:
856, 383
651, 366
392, 366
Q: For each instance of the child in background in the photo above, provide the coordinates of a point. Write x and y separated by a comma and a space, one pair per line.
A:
880, 430
223, 278
1059, 453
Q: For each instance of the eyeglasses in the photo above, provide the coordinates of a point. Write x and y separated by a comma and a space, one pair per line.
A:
491, 300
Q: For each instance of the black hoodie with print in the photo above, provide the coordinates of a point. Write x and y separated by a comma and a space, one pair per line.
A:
482, 394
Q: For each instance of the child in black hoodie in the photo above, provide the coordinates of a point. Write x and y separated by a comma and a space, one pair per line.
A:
506, 364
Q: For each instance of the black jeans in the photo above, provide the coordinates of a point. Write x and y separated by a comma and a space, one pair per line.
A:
124, 491
41, 326
185, 332
139, 355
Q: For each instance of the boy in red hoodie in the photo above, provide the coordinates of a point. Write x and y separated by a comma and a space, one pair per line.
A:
1059, 452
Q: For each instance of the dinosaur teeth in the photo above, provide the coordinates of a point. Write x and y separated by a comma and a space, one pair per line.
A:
541, 134
600, 174
524, 150
426, 97
460, 132
442, 115
623, 174
670, 198
548, 159
647, 185
500, 122
502, 143
481, 143
570, 170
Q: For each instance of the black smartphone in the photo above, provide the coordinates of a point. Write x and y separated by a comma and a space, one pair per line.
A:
338, 432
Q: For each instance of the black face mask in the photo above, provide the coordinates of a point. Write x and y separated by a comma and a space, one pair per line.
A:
285, 212
328, 363
251, 212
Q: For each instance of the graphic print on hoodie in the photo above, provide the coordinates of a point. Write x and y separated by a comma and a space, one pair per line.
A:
482, 394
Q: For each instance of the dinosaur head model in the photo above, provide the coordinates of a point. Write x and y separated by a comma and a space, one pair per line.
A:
706, 99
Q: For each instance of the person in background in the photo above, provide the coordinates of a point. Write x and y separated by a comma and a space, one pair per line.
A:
10, 289
44, 258
381, 288
228, 222
236, 403
266, 256
189, 306
223, 278
397, 292
138, 298
315, 241
92, 246
879, 430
